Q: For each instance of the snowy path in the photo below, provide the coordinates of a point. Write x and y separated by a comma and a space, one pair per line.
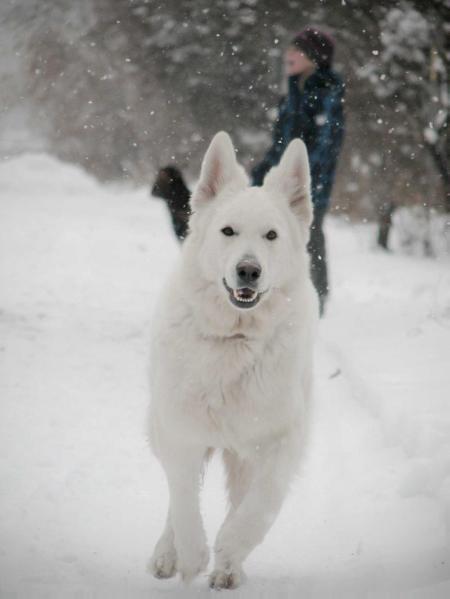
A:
81, 498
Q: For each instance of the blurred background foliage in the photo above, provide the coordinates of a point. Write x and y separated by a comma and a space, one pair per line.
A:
122, 87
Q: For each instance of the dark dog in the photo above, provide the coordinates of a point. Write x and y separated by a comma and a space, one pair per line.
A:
170, 186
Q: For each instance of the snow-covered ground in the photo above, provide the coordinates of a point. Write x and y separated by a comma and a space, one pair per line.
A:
82, 500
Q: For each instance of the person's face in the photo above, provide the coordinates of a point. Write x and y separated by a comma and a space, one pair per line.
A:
296, 62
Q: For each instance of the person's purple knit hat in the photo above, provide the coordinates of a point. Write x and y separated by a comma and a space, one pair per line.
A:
316, 44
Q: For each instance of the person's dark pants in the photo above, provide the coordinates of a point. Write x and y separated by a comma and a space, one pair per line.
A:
317, 250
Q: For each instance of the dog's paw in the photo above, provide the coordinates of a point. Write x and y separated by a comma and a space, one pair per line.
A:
230, 578
191, 564
163, 565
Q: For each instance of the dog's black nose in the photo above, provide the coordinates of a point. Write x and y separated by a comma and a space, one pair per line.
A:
248, 272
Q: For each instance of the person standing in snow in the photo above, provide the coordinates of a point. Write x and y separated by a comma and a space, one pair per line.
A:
313, 111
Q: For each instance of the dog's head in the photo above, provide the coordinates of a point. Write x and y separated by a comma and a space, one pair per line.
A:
170, 186
250, 241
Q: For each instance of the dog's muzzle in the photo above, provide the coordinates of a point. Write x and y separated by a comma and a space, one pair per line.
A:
243, 297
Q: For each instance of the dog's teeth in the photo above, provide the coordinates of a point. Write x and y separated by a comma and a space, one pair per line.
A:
245, 300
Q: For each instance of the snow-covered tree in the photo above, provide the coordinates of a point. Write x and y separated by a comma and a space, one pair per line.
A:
123, 87
410, 70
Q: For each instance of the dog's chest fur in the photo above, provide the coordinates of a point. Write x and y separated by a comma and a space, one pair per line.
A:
234, 389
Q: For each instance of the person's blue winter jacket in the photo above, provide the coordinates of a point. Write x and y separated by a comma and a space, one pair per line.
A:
315, 114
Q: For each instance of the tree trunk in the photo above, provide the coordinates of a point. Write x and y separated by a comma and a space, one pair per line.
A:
386, 211
441, 164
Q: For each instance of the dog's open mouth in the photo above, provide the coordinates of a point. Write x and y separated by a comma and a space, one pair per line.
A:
244, 297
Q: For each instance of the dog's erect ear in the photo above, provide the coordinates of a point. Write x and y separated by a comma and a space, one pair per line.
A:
219, 168
292, 178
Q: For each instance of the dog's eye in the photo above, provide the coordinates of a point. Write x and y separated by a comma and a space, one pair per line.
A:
228, 231
271, 235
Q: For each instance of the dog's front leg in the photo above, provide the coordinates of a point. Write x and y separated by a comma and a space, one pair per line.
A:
183, 466
246, 526
163, 563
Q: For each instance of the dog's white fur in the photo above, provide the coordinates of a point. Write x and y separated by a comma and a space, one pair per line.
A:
230, 378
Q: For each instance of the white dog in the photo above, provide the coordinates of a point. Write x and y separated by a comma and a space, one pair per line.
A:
232, 358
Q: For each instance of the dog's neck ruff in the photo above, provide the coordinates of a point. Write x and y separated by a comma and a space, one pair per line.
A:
235, 337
